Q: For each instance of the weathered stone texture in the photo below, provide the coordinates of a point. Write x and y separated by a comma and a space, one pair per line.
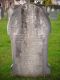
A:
0, 13
29, 28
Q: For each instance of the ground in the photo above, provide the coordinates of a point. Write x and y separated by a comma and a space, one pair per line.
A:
53, 53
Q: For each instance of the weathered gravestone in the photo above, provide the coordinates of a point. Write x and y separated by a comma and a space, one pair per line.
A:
10, 11
29, 28
0, 13
53, 14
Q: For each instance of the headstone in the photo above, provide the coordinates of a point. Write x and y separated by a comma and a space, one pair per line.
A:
29, 28
0, 13
10, 12
48, 9
53, 14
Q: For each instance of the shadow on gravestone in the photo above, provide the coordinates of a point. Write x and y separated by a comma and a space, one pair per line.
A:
28, 29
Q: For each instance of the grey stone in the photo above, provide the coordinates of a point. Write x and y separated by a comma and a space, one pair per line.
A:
53, 15
28, 29
0, 13
10, 12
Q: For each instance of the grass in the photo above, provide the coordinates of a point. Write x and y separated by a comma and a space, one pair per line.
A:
53, 53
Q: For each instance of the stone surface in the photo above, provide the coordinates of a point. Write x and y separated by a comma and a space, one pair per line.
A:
53, 15
0, 13
10, 12
28, 29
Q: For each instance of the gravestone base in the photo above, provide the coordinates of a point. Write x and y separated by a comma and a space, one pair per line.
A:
27, 67
47, 73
